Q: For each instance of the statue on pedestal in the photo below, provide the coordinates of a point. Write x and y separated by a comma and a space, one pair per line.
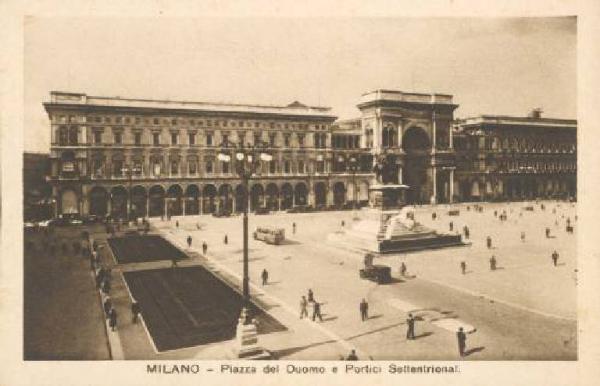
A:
385, 169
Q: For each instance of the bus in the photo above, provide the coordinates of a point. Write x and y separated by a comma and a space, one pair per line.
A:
269, 235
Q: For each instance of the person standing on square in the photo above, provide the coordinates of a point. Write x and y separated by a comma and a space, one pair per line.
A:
364, 310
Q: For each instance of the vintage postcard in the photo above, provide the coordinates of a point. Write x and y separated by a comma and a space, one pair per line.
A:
235, 196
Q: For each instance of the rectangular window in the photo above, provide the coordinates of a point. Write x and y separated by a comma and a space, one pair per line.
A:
301, 167
137, 119
118, 119
118, 168
107, 119
192, 167
272, 140
225, 138
173, 138
118, 138
301, 140
155, 121
138, 139
272, 167
286, 140
209, 167
209, 140
287, 167
174, 168
156, 139
320, 166
225, 167
97, 137
173, 121
192, 138
257, 138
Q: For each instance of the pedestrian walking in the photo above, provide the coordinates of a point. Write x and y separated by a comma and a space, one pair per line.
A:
463, 267
402, 269
410, 323
106, 286
303, 307
197, 226
489, 242
451, 226
177, 224
311, 297
555, 258
113, 319
433, 216
173, 262
135, 311
294, 228
317, 311
495, 213
466, 231
265, 276
343, 223
204, 247
107, 306
522, 236
493, 263
462, 340
548, 231
352, 356
225, 240
189, 241
364, 310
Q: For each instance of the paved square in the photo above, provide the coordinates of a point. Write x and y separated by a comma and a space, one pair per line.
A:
526, 309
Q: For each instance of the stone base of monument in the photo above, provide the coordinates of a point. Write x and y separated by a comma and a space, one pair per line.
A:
246, 340
393, 231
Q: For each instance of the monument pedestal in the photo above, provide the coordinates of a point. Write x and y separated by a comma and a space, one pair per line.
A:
387, 228
246, 339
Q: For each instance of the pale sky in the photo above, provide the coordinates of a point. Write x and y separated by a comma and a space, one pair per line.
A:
491, 66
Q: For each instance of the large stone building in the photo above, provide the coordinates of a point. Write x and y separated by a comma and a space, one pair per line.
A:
511, 158
112, 155
150, 157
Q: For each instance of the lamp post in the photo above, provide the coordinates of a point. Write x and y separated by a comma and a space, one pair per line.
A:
246, 160
353, 167
128, 170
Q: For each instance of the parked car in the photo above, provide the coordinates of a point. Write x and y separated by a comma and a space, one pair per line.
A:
221, 213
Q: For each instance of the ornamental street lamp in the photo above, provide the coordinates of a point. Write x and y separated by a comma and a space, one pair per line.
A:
245, 160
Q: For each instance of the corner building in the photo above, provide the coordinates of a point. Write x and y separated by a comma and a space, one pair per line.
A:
118, 156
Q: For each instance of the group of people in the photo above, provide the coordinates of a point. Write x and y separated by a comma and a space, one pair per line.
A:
309, 300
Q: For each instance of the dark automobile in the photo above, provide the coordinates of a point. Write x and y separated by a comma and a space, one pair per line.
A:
380, 274
299, 209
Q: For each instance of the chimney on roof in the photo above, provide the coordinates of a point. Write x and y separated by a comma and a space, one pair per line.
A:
536, 113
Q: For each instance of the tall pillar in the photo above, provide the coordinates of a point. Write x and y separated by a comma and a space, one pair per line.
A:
166, 207
184, 202
329, 196
451, 182
434, 180
433, 132
279, 202
400, 174
148, 205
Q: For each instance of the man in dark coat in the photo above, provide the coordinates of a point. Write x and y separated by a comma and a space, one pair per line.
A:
113, 319
410, 331
352, 356
463, 267
462, 340
204, 248
555, 258
493, 263
489, 242
317, 311
189, 241
364, 310
265, 277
